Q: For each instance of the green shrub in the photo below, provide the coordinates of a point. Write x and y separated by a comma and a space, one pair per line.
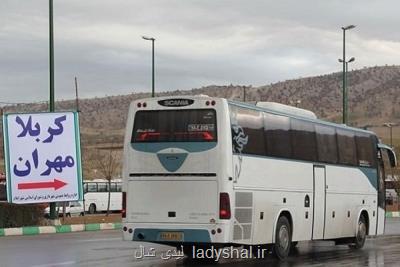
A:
17, 215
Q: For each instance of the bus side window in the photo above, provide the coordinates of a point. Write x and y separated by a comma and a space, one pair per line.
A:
365, 150
304, 145
326, 144
91, 187
277, 136
119, 188
113, 187
346, 147
248, 136
102, 187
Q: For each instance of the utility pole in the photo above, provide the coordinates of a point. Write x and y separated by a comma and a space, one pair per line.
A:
244, 93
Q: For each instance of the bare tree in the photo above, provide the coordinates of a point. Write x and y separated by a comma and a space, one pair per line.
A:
107, 163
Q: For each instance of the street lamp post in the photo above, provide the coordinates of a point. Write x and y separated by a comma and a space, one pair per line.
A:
349, 27
51, 83
152, 65
345, 89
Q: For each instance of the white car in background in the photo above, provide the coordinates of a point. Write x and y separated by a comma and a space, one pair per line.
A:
72, 208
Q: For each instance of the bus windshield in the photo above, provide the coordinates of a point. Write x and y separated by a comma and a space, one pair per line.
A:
189, 125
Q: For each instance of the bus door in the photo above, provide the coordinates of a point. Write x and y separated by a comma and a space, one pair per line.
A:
319, 202
380, 228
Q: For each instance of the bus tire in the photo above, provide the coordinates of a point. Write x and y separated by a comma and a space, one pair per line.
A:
283, 239
361, 235
92, 208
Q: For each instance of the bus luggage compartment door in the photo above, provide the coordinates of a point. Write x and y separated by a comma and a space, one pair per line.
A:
172, 201
319, 203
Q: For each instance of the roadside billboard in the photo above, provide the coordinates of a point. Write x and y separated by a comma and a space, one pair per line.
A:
42, 156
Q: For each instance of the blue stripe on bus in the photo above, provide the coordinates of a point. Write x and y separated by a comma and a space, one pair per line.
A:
172, 161
189, 235
372, 175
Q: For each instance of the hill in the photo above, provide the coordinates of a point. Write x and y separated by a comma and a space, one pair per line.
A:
374, 98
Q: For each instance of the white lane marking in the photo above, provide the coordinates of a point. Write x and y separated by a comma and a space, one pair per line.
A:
56, 264
100, 239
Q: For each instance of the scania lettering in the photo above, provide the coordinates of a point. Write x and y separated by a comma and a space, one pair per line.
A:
176, 102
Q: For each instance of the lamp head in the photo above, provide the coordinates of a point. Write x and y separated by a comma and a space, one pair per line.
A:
351, 59
349, 27
148, 38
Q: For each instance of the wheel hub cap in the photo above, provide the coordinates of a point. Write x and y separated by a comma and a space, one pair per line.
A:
283, 237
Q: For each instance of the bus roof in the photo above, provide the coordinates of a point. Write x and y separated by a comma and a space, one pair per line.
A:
342, 126
254, 107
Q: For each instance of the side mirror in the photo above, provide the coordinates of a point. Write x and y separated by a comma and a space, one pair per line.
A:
392, 158
391, 154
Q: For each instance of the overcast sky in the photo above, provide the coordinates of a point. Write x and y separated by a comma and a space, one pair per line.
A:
198, 43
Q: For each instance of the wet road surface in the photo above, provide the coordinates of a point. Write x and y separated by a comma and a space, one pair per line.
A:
105, 248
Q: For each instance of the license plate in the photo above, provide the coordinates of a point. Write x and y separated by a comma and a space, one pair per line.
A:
171, 236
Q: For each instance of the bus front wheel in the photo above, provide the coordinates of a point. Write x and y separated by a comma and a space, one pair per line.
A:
361, 234
283, 238
92, 208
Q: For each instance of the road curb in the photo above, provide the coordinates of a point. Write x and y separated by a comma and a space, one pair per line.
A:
392, 214
36, 230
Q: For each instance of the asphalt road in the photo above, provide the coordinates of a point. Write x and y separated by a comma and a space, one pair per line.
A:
105, 248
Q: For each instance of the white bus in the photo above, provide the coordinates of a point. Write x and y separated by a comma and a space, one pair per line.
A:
96, 195
201, 172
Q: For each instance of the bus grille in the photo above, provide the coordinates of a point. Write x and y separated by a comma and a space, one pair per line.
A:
243, 215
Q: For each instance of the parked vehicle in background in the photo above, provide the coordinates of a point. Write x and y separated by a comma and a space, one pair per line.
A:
72, 208
201, 171
96, 195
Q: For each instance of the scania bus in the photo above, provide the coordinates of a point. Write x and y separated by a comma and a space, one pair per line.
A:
204, 171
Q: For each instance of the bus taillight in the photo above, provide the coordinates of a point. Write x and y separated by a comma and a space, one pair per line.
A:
207, 136
149, 136
224, 206
123, 205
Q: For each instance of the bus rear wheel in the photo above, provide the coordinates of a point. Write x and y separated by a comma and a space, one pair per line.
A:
92, 209
361, 234
283, 238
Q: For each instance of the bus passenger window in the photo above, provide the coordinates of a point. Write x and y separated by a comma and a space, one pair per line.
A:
248, 123
277, 136
326, 144
102, 187
346, 147
304, 145
365, 150
91, 187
